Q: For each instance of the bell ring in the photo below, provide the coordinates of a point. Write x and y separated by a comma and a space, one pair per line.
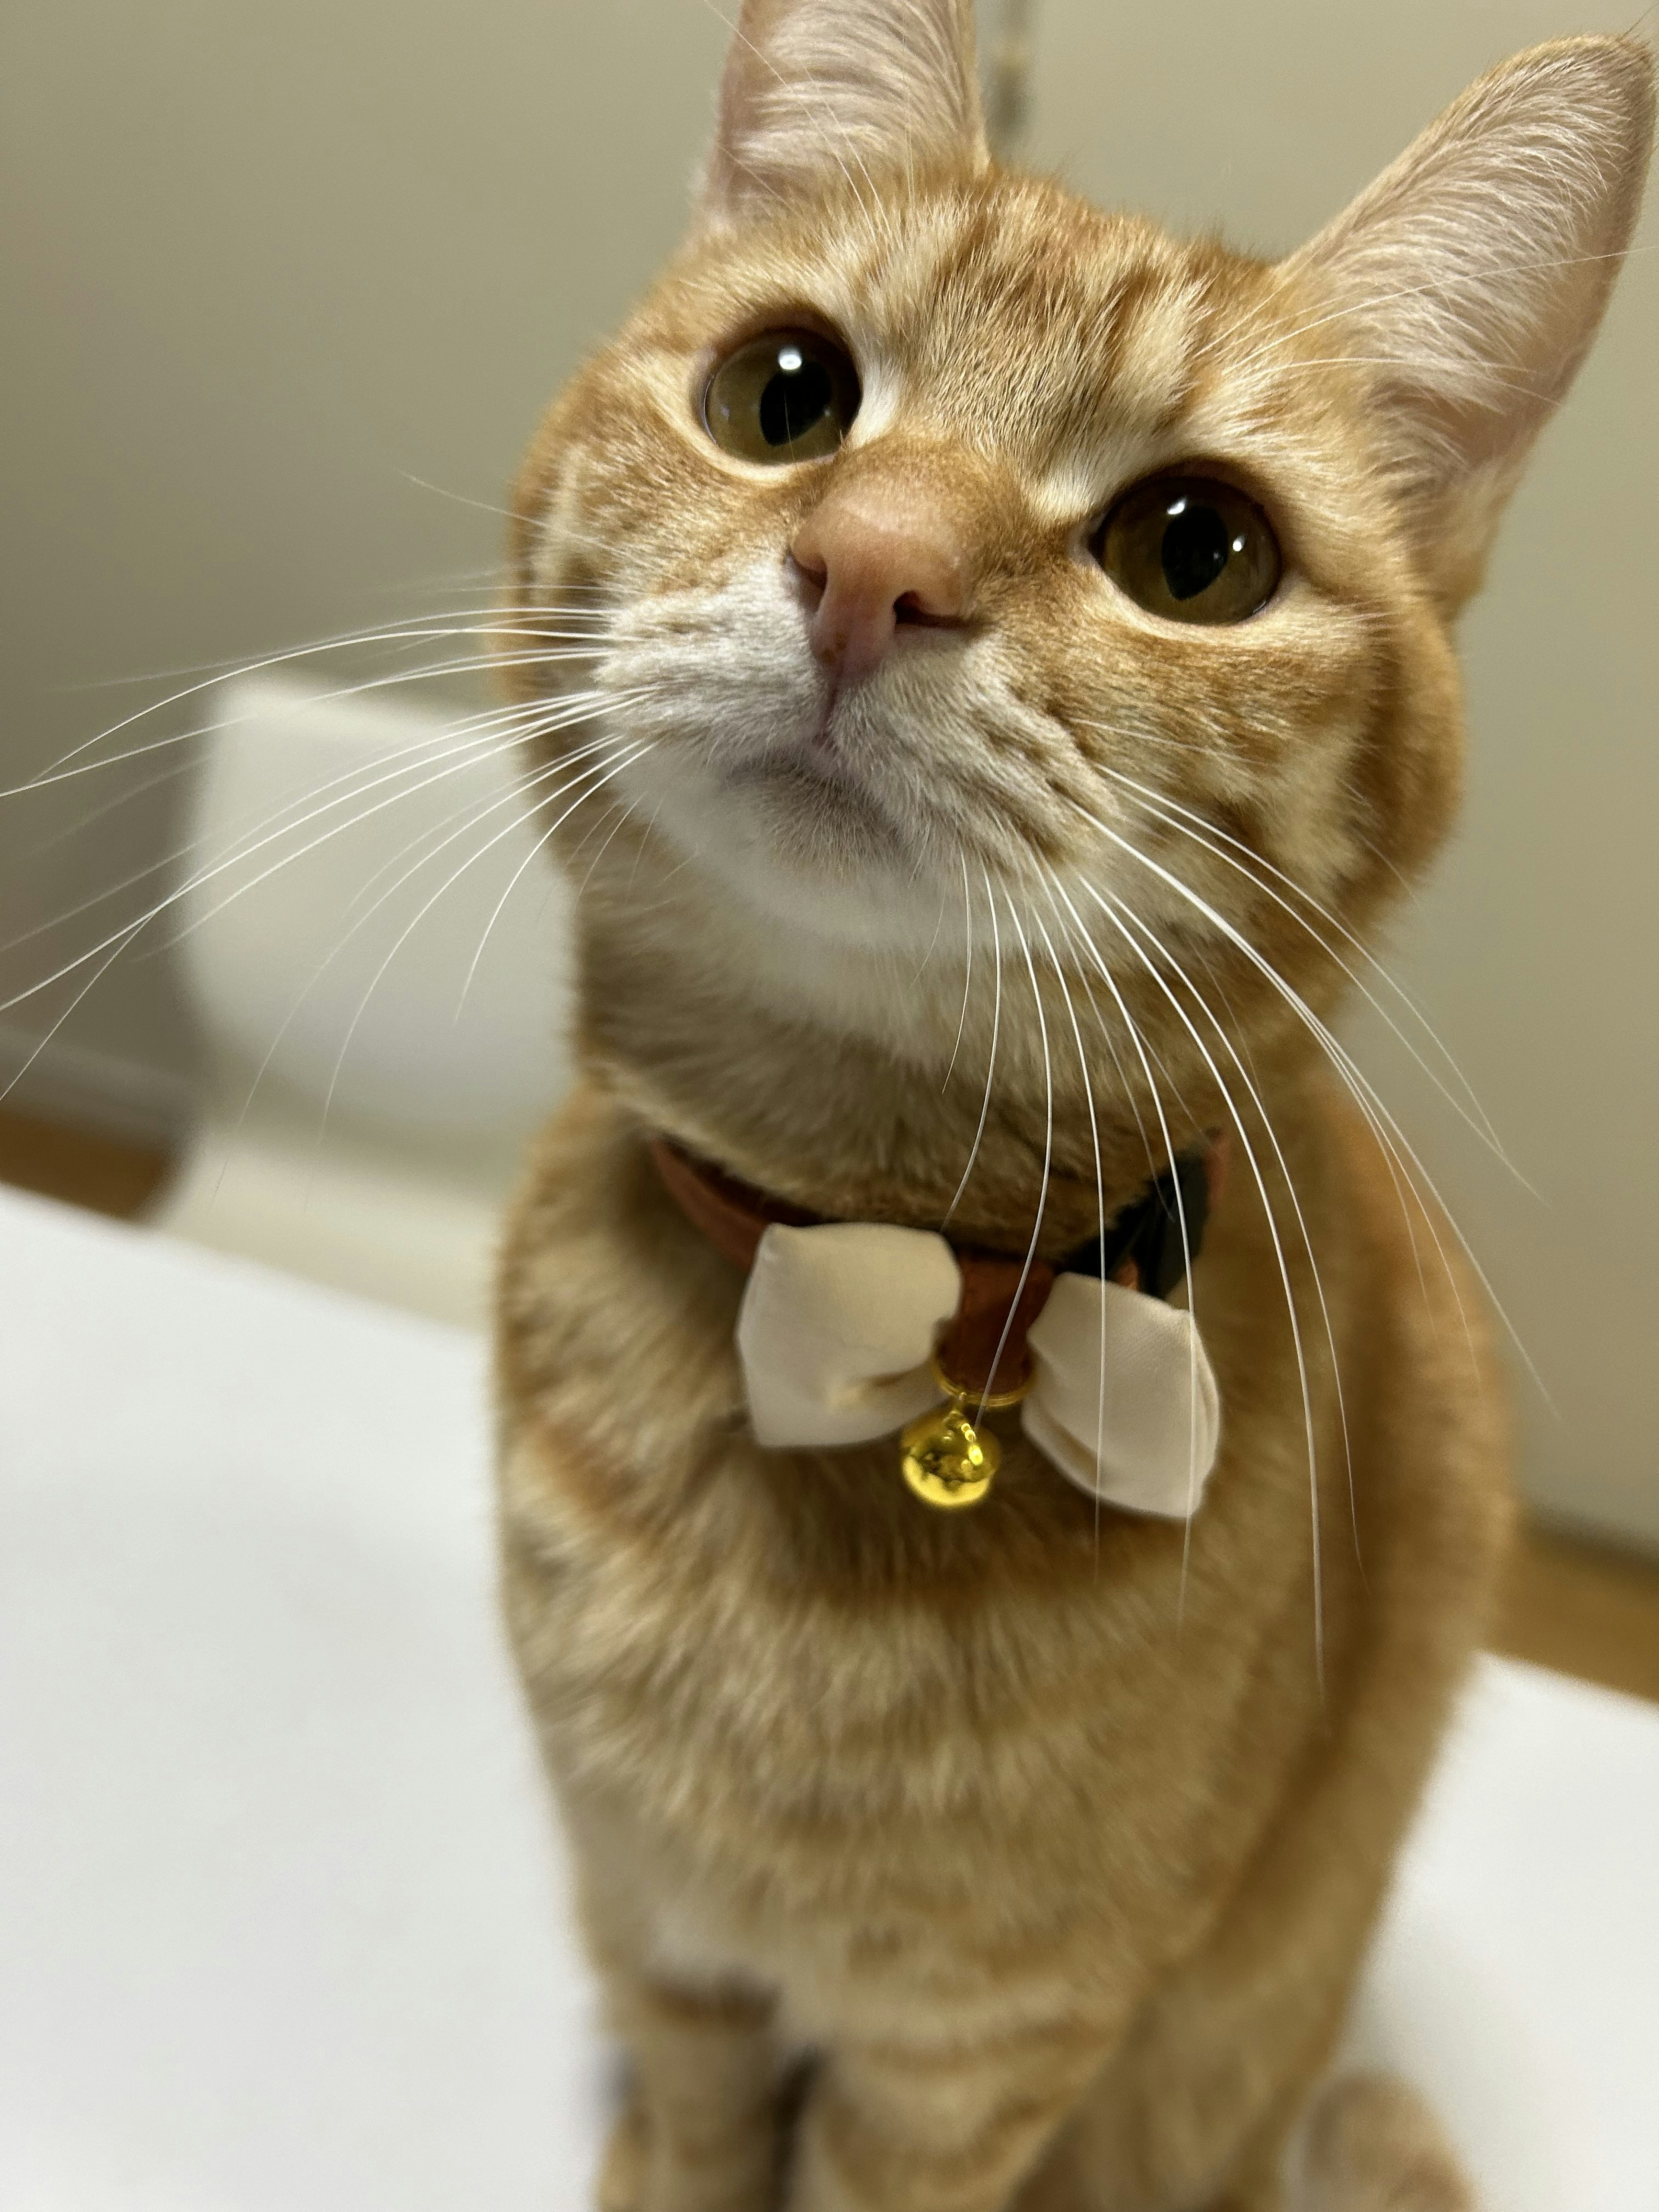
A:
946, 1461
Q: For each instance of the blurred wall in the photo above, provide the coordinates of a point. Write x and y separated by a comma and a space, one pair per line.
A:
1533, 950
265, 267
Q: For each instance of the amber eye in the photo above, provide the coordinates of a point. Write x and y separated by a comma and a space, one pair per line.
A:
1191, 549
790, 396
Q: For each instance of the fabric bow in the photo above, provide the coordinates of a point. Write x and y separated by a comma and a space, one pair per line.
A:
838, 1326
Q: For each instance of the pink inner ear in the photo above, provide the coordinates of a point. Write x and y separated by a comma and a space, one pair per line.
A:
819, 96
1472, 276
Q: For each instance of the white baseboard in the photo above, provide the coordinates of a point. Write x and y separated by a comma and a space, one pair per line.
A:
355, 1211
88, 1089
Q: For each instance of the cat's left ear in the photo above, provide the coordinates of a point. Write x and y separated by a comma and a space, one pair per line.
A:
1472, 276
818, 92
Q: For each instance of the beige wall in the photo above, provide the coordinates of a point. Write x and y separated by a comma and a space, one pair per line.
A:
1533, 951
267, 263
262, 266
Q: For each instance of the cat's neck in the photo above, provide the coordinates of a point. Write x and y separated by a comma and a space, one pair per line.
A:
861, 1084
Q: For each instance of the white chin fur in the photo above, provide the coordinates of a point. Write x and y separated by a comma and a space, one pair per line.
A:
861, 842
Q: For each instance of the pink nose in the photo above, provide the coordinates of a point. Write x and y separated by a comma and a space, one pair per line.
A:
876, 555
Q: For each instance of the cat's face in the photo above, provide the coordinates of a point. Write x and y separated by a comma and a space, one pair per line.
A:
949, 539
1019, 365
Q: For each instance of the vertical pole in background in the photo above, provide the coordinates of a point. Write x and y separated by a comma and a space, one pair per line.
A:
1008, 79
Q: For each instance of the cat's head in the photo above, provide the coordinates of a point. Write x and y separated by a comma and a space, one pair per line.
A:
949, 541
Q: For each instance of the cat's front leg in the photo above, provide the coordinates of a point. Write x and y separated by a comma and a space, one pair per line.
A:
699, 2133
957, 2127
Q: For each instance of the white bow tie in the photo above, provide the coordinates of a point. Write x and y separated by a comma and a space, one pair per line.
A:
836, 1336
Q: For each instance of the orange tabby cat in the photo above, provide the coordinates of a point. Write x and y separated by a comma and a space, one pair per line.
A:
1027, 644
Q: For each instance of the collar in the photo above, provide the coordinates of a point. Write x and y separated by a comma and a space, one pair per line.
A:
984, 1351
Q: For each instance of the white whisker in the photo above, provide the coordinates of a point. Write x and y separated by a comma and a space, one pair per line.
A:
1056, 888
407, 634
1377, 1118
1100, 1217
1241, 857
991, 1062
1048, 1160
605, 775
118, 938
535, 851
477, 815
966, 967
1118, 922
1130, 927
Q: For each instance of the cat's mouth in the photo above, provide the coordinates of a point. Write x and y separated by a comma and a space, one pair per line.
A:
819, 771
815, 754
813, 794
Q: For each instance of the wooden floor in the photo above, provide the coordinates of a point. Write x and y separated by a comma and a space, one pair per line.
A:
1582, 1608
98, 1172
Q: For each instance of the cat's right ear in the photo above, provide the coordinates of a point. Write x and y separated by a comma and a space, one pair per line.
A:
817, 92
1470, 276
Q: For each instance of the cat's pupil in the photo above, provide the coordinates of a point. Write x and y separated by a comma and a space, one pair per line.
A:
800, 395
1190, 549
787, 397
1197, 546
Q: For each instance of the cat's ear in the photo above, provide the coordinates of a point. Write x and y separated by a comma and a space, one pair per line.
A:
1472, 275
816, 91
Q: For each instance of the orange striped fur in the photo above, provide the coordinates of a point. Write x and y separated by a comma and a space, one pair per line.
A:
1024, 1857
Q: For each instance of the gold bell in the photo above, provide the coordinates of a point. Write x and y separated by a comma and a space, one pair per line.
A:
944, 1458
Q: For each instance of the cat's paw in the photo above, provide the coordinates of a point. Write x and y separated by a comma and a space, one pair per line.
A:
623, 2171
744, 2180
1374, 2146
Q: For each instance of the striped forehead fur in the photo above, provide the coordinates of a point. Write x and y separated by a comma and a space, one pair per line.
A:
1025, 359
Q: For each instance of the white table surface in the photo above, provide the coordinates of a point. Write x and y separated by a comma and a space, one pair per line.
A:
282, 1921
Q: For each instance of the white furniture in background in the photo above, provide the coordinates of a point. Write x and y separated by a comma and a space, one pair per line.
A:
376, 957
284, 1924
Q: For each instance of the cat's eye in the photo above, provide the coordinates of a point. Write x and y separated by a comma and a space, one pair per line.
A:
1191, 550
790, 396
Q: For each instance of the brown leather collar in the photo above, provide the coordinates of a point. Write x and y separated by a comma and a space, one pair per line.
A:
984, 1350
